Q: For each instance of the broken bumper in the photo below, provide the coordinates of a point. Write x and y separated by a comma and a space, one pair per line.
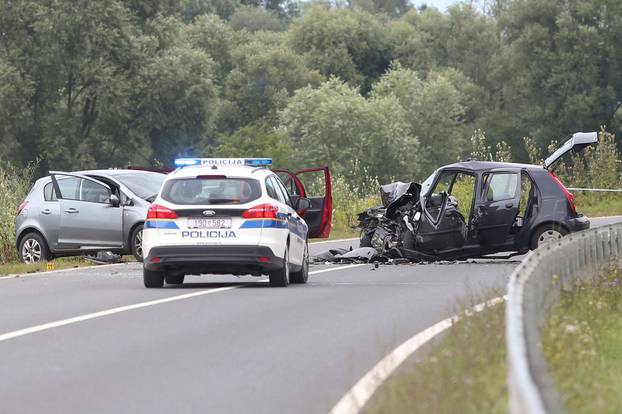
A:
578, 224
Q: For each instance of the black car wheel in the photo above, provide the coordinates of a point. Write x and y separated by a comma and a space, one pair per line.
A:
280, 278
33, 248
302, 275
136, 242
153, 278
546, 234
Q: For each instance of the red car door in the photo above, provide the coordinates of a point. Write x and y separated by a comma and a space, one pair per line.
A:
314, 184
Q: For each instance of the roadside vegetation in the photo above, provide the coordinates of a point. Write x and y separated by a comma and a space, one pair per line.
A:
582, 344
463, 372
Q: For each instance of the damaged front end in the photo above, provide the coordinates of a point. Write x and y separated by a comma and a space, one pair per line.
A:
391, 227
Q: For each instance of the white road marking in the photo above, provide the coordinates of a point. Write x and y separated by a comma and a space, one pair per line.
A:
120, 309
361, 392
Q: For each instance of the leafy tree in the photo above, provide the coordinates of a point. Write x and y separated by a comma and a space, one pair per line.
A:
335, 125
434, 112
256, 141
256, 18
263, 77
221, 8
340, 42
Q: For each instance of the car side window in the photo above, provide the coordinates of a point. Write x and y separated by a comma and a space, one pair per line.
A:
502, 186
69, 187
288, 182
283, 191
434, 202
48, 192
272, 192
526, 195
277, 192
94, 192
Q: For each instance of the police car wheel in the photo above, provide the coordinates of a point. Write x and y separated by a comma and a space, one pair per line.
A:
280, 278
174, 278
302, 275
153, 278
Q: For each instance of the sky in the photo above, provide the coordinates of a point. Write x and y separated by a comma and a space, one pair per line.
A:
439, 4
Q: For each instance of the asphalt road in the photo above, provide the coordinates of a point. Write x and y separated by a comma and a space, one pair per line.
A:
225, 344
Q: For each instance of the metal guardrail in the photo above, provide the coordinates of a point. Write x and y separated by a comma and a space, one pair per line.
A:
533, 287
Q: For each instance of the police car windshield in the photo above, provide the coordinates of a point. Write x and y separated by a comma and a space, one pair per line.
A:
188, 191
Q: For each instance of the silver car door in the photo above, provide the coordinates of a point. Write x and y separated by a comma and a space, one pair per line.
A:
89, 220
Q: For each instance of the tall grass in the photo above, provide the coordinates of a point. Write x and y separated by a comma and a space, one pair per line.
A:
349, 200
582, 344
14, 186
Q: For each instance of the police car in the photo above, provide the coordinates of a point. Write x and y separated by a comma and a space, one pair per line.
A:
234, 216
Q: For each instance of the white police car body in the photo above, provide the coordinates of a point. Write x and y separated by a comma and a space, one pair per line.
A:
233, 216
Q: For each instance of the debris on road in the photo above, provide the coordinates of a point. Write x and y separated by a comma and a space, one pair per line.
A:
102, 258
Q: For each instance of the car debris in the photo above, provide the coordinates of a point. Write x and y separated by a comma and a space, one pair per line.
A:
104, 257
471, 209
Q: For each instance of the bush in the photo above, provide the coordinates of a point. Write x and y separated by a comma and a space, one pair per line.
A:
14, 186
349, 200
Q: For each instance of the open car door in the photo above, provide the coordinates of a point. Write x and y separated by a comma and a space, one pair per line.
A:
577, 143
314, 184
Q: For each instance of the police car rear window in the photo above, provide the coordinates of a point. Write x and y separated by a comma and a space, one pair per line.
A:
208, 190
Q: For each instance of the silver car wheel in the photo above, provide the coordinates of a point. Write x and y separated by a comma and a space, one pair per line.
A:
138, 243
549, 236
31, 251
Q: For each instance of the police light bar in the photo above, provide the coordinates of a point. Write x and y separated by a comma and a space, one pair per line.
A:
223, 162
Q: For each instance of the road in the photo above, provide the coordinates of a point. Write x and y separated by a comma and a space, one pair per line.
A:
218, 344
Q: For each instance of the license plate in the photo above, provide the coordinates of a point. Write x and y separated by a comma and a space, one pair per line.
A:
209, 223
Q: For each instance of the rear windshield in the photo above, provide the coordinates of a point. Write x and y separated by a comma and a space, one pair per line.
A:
211, 190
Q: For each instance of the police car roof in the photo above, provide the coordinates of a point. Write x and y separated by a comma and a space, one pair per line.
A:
234, 171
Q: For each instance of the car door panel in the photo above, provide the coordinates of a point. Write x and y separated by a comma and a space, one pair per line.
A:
86, 220
498, 206
319, 216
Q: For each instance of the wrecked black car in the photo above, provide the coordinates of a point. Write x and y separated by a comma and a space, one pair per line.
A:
473, 209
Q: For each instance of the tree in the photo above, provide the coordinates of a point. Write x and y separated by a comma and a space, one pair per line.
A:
343, 43
263, 77
356, 137
435, 113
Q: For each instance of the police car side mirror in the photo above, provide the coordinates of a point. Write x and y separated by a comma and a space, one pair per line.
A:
303, 204
114, 200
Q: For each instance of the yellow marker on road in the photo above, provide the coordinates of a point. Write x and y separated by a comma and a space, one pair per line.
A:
50, 266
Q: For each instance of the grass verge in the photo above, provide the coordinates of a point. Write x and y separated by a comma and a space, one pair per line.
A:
56, 264
464, 372
582, 344
599, 205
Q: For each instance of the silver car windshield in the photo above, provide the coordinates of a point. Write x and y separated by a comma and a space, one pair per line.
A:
144, 184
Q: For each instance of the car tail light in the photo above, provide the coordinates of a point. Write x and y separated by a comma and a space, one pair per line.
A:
568, 194
157, 211
261, 211
21, 207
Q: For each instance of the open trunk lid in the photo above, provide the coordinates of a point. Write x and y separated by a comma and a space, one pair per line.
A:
577, 142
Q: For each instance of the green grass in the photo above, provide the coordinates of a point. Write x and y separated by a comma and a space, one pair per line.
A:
57, 264
583, 345
598, 205
464, 372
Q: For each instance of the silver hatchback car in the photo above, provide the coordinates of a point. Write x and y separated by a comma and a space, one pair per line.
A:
73, 213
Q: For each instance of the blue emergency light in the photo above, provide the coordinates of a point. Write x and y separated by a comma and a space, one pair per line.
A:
223, 162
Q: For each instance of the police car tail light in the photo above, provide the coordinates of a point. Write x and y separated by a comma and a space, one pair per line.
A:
157, 211
261, 211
